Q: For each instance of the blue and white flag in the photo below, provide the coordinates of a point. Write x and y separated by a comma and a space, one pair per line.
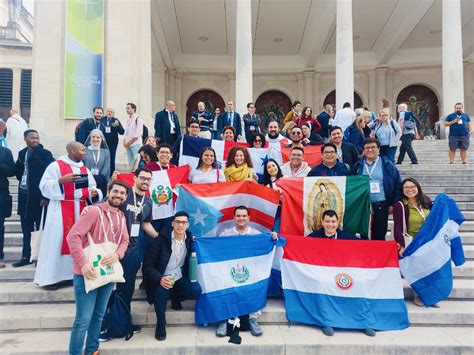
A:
233, 273
426, 262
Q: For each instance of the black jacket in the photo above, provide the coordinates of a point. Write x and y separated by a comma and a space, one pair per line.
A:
349, 154
163, 127
85, 128
112, 137
7, 169
38, 161
340, 234
156, 260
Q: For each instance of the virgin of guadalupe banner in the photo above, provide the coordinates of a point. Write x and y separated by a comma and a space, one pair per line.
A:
84, 57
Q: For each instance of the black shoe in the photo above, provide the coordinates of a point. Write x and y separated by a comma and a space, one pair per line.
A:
399, 163
160, 333
22, 262
176, 305
414, 162
58, 285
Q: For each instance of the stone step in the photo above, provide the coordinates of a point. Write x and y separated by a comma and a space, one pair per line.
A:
61, 316
29, 293
276, 340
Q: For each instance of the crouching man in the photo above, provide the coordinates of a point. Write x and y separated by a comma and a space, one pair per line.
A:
166, 268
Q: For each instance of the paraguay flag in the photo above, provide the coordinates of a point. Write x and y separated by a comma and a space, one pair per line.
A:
211, 206
305, 200
233, 273
349, 284
426, 262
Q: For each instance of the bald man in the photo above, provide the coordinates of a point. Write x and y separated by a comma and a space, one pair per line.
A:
68, 184
167, 129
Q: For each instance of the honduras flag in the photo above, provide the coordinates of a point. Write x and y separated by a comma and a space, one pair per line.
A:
426, 262
233, 273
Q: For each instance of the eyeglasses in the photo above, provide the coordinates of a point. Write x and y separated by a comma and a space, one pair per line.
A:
142, 178
371, 148
180, 222
330, 152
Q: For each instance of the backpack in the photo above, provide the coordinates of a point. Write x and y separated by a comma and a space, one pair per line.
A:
78, 128
117, 322
145, 130
410, 122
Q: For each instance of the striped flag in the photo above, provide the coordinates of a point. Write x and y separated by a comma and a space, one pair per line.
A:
351, 284
426, 262
233, 273
211, 206
305, 200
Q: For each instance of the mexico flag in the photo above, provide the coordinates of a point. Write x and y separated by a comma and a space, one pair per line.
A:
305, 200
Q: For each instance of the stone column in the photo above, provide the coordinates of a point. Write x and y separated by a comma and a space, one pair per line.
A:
178, 98
170, 89
453, 82
16, 89
381, 78
468, 88
344, 54
389, 91
243, 57
316, 94
232, 91
372, 90
300, 87
308, 88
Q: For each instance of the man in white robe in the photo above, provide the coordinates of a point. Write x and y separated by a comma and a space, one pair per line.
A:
54, 263
16, 125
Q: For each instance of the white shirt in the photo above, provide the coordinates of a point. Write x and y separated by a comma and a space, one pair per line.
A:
233, 231
302, 171
172, 125
344, 118
177, 258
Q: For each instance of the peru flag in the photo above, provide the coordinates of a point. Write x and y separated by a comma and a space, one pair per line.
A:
211, 206
347, 284
305, 200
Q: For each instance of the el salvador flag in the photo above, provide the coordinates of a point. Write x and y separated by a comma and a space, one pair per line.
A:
426, 262
233, 273
202, 216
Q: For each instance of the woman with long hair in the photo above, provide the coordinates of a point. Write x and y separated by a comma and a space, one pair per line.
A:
271, 173
409, 214
257, 140
239, 165
308, 117
147, 155
388, 132
207, 170
355, 132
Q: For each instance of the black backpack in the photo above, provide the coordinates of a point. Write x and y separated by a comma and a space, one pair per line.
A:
145, 131
117, 322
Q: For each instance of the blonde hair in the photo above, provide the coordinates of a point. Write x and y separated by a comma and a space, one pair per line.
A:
365, 114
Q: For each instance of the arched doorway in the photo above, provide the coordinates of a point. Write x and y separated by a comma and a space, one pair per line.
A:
331, 99
423, 102
272, 104
210, 98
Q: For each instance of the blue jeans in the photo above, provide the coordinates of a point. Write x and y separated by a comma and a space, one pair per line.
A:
182, 290
90, 310
131, 263
389, 152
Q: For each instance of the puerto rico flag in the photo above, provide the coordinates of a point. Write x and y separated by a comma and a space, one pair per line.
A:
161, 189
305, 200
211, 206
347, 284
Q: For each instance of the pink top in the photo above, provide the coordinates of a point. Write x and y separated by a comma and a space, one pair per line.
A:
134, 128
90, 223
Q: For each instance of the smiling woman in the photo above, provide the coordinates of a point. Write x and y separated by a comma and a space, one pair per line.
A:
207, 170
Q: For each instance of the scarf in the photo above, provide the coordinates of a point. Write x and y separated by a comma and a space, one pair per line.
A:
233, 173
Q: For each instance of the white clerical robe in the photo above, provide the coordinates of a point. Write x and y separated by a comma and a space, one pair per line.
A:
16, 125
52, 267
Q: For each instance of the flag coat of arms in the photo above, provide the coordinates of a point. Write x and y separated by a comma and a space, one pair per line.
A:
233, 273
351, 284
161, 189
211, 206
305, 200
426, 262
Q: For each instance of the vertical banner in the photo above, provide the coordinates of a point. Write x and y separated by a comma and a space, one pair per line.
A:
84, 57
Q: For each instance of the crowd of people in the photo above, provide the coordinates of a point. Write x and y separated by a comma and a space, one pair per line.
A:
357, 142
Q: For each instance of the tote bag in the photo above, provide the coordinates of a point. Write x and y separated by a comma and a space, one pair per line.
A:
36, 237
95, 253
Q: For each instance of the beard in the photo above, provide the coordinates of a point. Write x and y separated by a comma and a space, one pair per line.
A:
115, 202
273, 135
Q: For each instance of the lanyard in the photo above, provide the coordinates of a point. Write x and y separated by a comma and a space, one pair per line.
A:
370, 173
140, 205
96, 160
420, 212
112, 228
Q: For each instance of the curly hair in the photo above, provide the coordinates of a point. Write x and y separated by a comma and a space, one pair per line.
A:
231, 156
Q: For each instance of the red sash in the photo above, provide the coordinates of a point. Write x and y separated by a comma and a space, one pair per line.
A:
67, 205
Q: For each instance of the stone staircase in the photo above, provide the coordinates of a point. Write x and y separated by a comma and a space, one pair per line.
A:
36, 321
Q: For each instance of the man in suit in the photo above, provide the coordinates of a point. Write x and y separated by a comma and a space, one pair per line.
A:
167, 129
112, 129
251, 121
231, 118
7, 169
346, 152
29, 168
166, 268
89, 124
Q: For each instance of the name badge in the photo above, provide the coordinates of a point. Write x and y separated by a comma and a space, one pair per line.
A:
374, 187
460, 122
252, 128
135, 230
95, 171
23, 180
108, 129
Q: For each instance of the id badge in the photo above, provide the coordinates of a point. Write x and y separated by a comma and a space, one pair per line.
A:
374, 187
460, 122
23, 180
95, 171
108, 129
135, 230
